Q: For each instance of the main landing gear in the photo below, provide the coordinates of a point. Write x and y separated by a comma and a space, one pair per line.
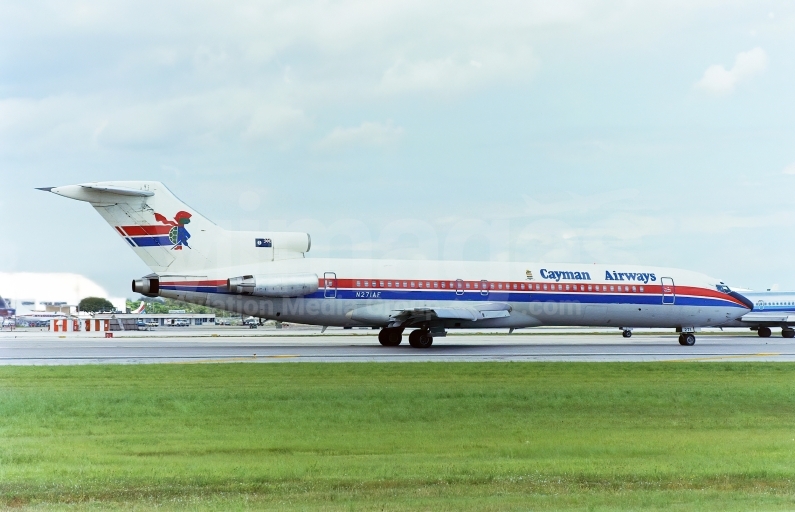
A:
687, 339
786, 332
390, 337
420, 338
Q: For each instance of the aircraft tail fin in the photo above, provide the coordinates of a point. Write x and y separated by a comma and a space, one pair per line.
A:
140, 309
171, 237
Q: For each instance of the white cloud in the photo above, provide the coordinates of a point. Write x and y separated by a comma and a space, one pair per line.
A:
366, 134
717, 79
454, 74
790, 169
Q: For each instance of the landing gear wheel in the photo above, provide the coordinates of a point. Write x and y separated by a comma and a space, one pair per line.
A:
390, 337
627, 333
687, 339
420, 339
764, 332
787, 333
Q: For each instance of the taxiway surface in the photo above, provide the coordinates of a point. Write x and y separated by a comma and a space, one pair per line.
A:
47, 350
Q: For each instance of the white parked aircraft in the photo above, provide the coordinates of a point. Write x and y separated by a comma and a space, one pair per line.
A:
266, 274
771, 309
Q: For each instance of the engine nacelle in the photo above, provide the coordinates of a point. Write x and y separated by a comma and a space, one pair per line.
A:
284, 285
146, 286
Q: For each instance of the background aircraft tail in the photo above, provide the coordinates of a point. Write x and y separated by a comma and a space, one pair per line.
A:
169, 236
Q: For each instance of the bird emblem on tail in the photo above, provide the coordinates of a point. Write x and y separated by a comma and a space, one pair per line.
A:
178, 235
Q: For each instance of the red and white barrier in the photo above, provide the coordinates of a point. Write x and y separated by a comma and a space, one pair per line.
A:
64, 325
96, 325
75, 325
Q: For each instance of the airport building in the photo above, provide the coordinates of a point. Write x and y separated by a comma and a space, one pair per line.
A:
109, 322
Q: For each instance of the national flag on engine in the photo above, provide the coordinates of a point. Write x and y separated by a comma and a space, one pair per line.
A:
264, 242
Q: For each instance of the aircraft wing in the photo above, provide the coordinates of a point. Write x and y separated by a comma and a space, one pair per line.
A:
411, 316
472, 313
768, 317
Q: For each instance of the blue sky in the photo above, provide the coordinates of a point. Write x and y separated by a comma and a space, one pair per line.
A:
615, 132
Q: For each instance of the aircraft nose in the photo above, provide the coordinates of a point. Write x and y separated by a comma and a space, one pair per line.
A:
745, 300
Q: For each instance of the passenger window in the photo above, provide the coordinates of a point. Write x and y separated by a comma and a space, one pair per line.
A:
427, 284
499, 286
612, 288
545, 287
358, 284
436, 284
641, 289
413, 285
522, 286
442, 284
468, 285
405, 284
567, 287
590, 288
381, 284
367, 284
634, 289
419, 285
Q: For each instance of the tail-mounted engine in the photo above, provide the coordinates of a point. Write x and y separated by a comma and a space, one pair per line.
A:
147, 286
285, 285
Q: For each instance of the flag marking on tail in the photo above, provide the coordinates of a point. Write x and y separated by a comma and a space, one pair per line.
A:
169, 233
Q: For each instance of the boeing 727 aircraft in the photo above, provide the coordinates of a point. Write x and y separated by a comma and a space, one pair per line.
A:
267, 274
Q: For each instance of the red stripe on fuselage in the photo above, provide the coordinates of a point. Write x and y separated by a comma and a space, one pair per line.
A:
507, 287
194, 283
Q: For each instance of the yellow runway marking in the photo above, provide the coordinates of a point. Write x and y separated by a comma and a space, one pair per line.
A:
718, 358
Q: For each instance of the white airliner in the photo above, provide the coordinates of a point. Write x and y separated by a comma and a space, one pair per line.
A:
771, 309
266, 274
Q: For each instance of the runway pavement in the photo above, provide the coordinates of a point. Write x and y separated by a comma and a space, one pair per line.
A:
44, 349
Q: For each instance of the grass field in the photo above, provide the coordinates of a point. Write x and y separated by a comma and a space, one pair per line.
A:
490, 436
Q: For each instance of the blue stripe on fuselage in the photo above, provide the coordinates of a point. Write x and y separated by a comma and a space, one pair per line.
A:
493, 296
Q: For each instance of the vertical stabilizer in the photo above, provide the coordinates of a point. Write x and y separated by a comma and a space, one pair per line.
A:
153, 222
171, 237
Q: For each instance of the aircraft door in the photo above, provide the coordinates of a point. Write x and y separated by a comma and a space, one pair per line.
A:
668, 290
330, 285
459, 286
484, 288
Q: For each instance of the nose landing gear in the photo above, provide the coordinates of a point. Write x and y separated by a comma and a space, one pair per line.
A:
687, 339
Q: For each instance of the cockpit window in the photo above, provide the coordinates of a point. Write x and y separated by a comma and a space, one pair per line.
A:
723, 288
